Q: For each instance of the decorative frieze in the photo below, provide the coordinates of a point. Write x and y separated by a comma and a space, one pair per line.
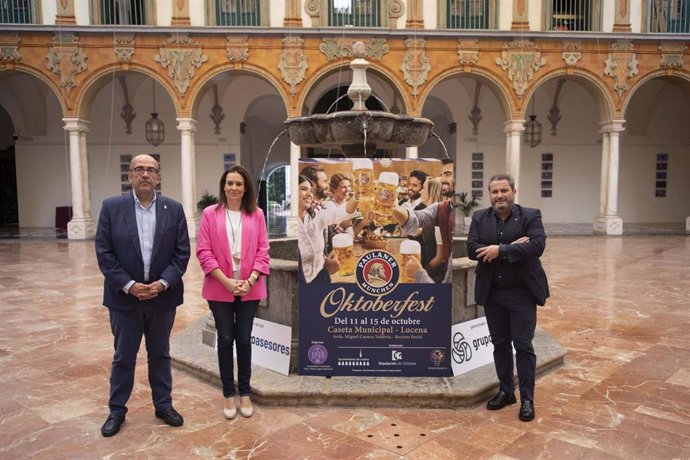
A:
66, 59
621, 65
521, 59
236, 48
9, 48
415, 65
293, 62
181, 59
571, 52
468, 52
672, 54
339, 47
123, 45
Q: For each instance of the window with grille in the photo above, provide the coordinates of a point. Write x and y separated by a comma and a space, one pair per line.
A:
131, 12
669, 16
238, 12
359, 13
570, 15
467, 14
16, 12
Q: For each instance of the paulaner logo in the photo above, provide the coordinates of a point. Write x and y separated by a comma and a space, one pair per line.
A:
377, 272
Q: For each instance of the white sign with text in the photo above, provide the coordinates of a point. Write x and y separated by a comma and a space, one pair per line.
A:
271, 344
471, 345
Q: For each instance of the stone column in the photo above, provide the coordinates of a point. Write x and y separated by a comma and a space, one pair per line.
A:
608, 222
293, 17
513, 130
81, 226
65, 12
180, 14
295, 153
187, 127
520, 15
621, 21
415, 14
412, 152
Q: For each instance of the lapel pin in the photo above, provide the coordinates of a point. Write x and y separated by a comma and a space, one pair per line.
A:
165, 206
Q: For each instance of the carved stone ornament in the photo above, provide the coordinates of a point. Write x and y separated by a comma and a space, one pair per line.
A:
571, 52
124, 47
521, 59
395, 9
66, 59
236, 48
672, 55
468, 52
342, 47
621, 65
415, 65
293, 62
181, 60
9, 48
313, 8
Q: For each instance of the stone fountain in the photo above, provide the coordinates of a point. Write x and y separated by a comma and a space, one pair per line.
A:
357, 132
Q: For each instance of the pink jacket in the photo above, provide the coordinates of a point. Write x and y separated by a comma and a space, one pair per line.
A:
213, 251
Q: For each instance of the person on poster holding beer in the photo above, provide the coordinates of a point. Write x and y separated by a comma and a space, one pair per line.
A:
315, 266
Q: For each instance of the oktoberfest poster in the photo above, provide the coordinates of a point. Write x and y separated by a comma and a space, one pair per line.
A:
366, 307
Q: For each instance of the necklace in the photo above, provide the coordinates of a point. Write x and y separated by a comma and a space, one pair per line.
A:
233, 233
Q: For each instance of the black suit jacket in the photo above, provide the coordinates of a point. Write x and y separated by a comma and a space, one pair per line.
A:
119, 253
524, 258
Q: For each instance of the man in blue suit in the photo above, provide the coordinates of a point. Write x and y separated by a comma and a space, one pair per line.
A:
507, 240
142, 247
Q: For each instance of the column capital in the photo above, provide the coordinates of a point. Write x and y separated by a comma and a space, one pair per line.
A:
76, 124
186, 124
514, 126
611, 126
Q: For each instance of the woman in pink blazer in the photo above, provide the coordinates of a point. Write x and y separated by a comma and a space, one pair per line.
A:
232, 247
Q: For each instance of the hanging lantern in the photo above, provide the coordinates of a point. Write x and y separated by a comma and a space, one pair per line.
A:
155, 128
532, 131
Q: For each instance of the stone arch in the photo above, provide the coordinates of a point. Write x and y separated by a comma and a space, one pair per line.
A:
495, 85
380, 70
589, 81
45, 79
197, 89
678, 74
95, 82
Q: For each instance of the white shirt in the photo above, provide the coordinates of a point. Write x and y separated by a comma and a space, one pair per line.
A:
310, 238
233, 228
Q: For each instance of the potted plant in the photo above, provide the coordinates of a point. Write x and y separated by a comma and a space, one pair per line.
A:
466, 202
206, 200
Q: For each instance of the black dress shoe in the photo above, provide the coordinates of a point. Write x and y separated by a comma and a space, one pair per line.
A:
170, 416
501, 400
526, 410
112, 425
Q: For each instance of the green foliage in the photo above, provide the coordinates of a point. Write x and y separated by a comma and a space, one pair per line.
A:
206, 200
466, 202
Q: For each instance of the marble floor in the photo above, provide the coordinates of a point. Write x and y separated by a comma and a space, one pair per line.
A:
620, 306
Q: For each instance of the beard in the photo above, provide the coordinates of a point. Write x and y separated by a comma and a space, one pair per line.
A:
414, 196
321, 194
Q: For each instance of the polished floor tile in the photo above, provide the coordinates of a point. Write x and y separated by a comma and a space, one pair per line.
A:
620, 306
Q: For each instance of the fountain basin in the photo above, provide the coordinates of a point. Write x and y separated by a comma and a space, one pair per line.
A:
345, 130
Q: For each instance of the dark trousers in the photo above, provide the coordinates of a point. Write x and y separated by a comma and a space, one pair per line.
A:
127, 328
234, 322
511, 315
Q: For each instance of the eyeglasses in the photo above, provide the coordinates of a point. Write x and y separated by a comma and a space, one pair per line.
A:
140, 170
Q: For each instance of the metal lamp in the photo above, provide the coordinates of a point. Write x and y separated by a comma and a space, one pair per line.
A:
533, 129
155, 128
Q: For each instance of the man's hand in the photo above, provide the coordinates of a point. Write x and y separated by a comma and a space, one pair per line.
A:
331, 263
522, 239
146, 291
401, 215
488, 253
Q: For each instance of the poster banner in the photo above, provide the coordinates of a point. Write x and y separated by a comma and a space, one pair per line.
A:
373, 296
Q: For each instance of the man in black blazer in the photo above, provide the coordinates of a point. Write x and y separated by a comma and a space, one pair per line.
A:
142, 247
507, 240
